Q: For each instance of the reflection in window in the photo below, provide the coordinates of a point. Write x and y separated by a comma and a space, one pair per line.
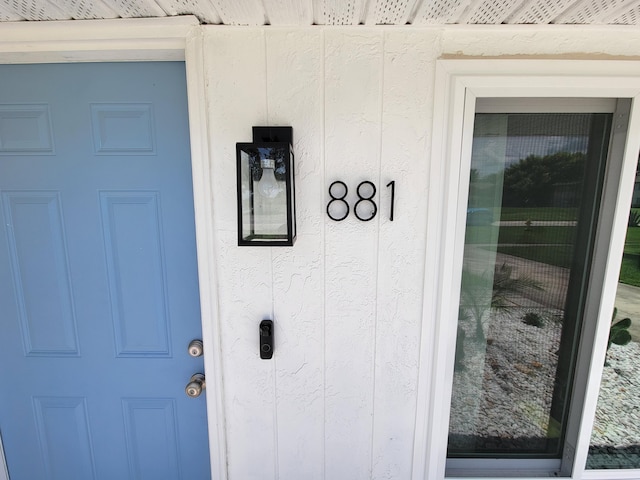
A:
534, 184
615, 439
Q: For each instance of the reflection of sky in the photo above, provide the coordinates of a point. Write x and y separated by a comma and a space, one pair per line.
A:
265, 152
491, 154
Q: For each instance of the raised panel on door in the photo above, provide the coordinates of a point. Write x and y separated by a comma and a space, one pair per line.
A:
98, 274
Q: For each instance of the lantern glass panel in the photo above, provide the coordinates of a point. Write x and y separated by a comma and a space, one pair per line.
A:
292, 195
264, 171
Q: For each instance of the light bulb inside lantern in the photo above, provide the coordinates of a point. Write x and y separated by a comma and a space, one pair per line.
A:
268, 186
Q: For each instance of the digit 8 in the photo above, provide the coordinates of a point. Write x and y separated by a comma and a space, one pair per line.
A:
369, 199
338, 199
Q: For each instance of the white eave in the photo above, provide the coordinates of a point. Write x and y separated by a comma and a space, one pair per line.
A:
335, 12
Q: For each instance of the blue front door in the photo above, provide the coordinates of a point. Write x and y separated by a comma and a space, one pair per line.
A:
98, 276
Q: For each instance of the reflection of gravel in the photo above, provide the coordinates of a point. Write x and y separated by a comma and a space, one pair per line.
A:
616, 430
617, 420
509, 401
511, 398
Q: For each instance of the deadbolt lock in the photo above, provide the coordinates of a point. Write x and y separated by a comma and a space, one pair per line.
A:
195, 348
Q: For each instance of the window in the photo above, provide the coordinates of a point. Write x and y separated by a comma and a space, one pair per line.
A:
615, 437
532, 178
535, 186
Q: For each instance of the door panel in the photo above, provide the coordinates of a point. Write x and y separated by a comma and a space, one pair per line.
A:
134, 252
98, 274
40, 272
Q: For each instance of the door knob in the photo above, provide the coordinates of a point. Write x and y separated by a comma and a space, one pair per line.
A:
196, 385
195, 348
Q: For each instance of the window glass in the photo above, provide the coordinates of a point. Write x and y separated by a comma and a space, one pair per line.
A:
615, 439
535, 181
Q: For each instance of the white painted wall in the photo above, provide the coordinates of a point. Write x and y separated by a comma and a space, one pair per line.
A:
339, 399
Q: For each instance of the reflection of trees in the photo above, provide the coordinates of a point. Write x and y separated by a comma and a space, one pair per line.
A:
533, 181
276, 153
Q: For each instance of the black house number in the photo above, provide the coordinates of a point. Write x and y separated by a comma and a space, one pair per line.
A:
364, 209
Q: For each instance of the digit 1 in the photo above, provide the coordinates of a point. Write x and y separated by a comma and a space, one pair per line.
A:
392, 184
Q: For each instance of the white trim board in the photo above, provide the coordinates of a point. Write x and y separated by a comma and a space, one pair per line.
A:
167, 39
96, 40
4, 471
457, 86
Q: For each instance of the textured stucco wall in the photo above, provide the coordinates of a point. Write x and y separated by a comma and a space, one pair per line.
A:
339, 398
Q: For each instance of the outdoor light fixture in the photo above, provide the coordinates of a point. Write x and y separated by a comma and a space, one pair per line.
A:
266, 192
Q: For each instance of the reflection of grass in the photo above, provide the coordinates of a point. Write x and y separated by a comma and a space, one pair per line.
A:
630, 272
551, 245
630, 269
561, 256
521, 235
632, 242
483, 234
541, 213
537, 235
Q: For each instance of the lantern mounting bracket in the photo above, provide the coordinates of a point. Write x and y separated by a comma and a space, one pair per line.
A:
273, 134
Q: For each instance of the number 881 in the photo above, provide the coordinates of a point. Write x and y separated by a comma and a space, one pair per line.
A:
338, 208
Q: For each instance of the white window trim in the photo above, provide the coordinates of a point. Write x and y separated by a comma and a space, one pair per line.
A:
166, 39
458, 84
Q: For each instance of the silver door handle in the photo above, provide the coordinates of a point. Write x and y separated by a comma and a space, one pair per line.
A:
196, 385
195, 348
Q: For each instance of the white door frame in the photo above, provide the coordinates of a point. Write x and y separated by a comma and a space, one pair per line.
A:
166, 39
4, 472
458, 84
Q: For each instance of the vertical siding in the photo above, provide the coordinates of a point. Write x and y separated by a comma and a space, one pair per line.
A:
338, 399
406, 123
352, 154
298, 281
236, 75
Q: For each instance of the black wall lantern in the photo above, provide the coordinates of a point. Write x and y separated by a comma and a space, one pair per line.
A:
266, 191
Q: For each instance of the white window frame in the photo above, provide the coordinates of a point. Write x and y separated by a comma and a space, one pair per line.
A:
457, 86
141, 40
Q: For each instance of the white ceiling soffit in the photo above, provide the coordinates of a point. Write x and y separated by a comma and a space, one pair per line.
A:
334, 12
